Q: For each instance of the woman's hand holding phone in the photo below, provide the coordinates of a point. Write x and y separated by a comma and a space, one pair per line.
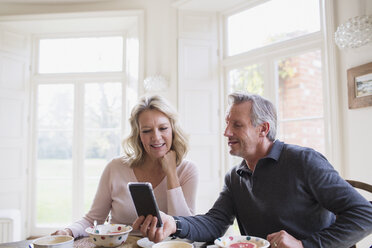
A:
148, 228
144, 200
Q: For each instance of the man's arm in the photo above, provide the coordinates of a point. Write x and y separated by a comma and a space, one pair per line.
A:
206, 227
353, 211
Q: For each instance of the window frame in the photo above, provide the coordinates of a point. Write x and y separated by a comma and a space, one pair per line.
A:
78, 80
267, 55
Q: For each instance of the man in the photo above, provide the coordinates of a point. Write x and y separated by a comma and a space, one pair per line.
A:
288, 194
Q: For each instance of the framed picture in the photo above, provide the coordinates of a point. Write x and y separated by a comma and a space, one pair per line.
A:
359, 80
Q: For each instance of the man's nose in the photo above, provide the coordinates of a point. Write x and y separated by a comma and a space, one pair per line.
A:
227, 132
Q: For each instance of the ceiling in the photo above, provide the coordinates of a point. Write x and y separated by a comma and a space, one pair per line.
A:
50, 1
200, 5
207, 5
67, 23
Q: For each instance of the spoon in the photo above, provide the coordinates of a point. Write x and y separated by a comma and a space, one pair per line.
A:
95, 227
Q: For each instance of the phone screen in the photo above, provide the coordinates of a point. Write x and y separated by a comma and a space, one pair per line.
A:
144, 200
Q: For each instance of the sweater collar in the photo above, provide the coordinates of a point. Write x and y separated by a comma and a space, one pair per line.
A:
274, 154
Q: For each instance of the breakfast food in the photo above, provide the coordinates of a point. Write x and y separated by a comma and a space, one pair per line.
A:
243, 245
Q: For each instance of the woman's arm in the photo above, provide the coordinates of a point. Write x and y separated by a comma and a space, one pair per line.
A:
181, 200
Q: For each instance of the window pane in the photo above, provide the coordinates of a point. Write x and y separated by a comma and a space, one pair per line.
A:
300, 86
248, 78
309, 133
54, 154
54, 201
81, 55
102, 132
55, 109
271, 22
102, 105
300, 108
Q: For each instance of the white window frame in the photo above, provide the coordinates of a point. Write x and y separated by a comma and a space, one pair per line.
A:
78, 80
321, 40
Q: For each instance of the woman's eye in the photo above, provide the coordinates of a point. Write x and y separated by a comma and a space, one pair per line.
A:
163, 128
146, 131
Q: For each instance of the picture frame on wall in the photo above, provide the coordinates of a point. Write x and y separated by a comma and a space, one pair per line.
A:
360, 86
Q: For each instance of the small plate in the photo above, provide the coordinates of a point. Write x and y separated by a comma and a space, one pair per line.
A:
226, 241
145, 243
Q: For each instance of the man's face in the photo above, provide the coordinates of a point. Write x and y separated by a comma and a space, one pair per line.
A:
243, 138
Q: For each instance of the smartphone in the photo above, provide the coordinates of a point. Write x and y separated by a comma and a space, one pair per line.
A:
144, 200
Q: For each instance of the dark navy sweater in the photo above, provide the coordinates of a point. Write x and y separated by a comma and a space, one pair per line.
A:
293, 189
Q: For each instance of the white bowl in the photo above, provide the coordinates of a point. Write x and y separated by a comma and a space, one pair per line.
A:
109, 235
54, 241
226, 241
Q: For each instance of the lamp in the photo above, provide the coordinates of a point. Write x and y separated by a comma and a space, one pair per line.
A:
354, 33
155, 83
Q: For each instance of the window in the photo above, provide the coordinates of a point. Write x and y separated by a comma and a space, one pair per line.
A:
300, 99
271, 22
87, 54
79, 127
275, 49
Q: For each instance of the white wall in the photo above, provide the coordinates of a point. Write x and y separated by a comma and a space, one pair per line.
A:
356, 123
160, 31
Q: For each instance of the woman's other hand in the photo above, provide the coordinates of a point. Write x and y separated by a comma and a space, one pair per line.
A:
169, 166
65, 231
168, 162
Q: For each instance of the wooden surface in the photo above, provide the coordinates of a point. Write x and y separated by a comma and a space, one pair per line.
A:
131, 242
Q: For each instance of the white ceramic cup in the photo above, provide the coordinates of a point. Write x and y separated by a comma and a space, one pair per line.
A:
173, 244
54, 241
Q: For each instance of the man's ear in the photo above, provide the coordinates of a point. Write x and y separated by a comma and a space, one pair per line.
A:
265, 128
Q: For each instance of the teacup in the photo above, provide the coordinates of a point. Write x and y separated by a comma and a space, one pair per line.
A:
173, 244
56, 241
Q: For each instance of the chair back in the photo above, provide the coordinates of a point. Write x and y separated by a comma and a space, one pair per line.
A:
363, 186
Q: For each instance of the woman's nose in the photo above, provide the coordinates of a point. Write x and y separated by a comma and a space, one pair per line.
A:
156, 135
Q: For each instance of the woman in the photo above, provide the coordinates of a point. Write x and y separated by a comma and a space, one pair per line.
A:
154, 153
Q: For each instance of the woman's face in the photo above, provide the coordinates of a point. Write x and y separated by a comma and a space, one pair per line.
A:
155, 133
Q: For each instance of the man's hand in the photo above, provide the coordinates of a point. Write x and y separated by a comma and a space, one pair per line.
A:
66, 231
148, 227
283, 240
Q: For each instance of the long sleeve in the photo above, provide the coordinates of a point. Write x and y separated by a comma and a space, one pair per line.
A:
354, 213
214, 223
113, 195
181, 200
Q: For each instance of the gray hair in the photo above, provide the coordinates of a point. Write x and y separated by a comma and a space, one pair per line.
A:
262, 110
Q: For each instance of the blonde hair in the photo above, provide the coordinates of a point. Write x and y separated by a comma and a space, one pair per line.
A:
134, 153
